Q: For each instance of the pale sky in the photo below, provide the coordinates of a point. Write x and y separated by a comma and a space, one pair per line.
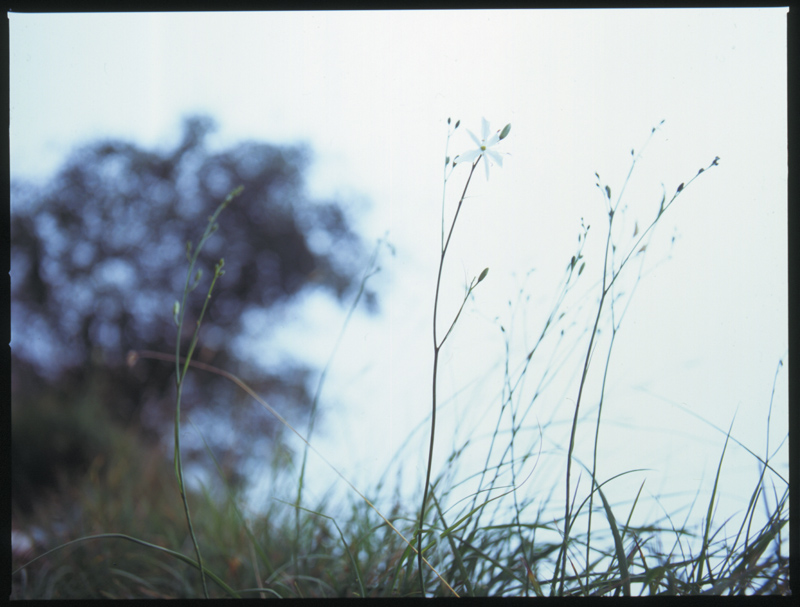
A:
371, 93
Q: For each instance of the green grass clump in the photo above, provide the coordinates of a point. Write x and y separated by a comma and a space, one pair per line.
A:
538, 518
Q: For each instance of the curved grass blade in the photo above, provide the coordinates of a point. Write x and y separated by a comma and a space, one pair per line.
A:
122, 536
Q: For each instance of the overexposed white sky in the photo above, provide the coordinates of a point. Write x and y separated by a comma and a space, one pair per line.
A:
371, 92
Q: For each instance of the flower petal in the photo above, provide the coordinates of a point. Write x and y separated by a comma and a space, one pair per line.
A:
494, 156
474, 138
484, 129
468, 156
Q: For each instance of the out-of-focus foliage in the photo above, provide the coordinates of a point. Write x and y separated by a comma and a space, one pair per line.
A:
98, 256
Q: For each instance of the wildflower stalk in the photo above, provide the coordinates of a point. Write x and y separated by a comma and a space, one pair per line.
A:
180, 372
608, 280
437, 346
484, 144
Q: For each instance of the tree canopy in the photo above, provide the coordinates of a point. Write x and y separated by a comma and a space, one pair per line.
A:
98, 256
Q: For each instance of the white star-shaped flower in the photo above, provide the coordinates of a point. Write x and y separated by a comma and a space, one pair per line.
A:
485, 143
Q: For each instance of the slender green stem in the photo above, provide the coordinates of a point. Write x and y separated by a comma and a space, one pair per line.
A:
588, 357
371, 270
605, 290
178, 464
444, 181
180, 373
436, 348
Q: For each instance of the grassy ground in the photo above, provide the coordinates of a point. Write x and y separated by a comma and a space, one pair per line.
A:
133, 492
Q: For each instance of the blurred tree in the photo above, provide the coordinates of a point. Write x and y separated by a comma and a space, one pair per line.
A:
98, 256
